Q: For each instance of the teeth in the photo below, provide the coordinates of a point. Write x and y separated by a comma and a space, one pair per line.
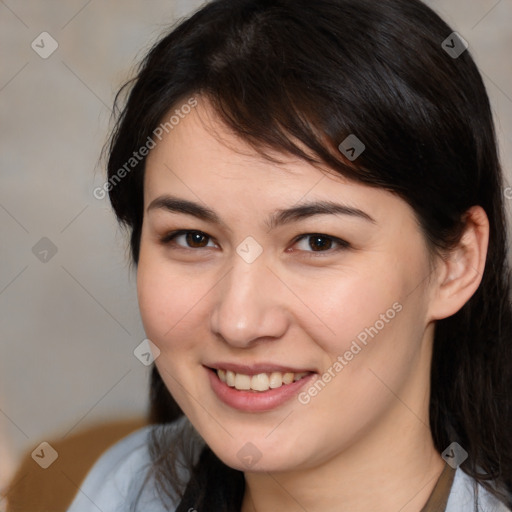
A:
242, 381
288, 378
276, 380
259, 382
230, 379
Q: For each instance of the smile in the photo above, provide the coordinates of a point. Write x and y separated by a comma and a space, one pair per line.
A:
260, 382
258, 390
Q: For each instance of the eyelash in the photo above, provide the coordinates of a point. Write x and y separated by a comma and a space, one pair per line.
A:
169, 239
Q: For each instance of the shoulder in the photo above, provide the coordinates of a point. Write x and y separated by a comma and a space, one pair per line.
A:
115, 479
463, 492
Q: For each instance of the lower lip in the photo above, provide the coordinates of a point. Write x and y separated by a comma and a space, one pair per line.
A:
255, 401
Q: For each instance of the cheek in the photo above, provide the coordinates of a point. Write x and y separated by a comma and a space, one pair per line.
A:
168, 301
378, 319
376, 345
372, 321
351, 306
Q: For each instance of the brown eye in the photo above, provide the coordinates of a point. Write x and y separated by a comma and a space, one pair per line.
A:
187, 239
196, 239
320, 243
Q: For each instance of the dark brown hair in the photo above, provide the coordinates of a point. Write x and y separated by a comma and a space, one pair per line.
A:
287, 73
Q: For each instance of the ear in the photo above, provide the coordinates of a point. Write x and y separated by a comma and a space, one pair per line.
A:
459, 272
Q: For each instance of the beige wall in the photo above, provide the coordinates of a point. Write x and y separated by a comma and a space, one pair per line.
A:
68, 326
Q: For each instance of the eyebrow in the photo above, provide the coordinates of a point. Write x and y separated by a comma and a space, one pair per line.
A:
278, 218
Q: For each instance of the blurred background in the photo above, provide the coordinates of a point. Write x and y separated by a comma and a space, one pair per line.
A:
69, 321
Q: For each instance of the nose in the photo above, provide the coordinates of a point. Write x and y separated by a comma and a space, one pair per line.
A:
249, 305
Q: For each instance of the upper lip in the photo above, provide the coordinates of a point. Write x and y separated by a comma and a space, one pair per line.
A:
256, 368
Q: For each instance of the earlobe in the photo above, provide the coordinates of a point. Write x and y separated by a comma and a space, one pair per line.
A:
460, 271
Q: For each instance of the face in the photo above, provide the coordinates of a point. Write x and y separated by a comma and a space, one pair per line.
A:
307, 287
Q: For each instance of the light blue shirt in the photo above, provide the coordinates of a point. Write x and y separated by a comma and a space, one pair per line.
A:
111, 483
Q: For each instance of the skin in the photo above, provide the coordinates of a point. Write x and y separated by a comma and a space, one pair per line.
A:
201, 302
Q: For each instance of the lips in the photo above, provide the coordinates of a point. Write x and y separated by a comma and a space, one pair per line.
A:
264, 397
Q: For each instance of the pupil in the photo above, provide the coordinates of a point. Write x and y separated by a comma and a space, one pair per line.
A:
318, 243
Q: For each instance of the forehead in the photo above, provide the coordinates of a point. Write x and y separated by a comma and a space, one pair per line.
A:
199, 159
202, 148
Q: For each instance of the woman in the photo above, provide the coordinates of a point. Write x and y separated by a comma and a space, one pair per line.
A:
315, 205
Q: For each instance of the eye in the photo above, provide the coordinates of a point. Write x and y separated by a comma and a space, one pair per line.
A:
308, 243
320, 243
191, 239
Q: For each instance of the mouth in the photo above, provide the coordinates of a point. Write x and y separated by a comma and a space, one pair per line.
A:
259, 382
257, 387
